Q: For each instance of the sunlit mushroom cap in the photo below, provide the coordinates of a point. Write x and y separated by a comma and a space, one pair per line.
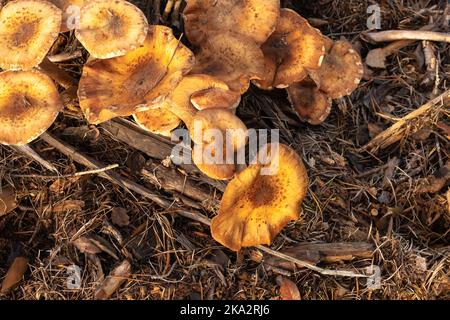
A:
257, 204
215, 98
212, 124
232, 58
28, 29
311, 104
212, 164
294, 48
111, 28
29, 104
70, 12
254, 18
157, 120
341, 70
145, 76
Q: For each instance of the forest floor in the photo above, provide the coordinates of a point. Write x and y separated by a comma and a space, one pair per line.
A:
385, 206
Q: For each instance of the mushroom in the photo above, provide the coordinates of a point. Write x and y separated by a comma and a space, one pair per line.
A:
257, 204
291, 51
128, 84
28, 29
110, 29
341, 70
215, 98
310, 104
29, 104
212, 164
157, 120
232, 58
253, 18
69, 10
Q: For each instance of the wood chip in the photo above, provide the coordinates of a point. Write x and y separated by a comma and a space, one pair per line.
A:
288, 289
8, 201
68, 205
15, 274
113, 281
120, 217
86, 245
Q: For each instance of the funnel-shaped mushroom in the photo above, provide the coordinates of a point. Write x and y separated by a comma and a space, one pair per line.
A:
311, 104
213, 164
158, 120
215, 98
291, 51
29, 104
254, 18
110, 29
70, 9
256, 204
28, 29
232, 58
145, 76
341, 70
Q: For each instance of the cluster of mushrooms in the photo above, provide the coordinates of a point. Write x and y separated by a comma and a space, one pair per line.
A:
141, 70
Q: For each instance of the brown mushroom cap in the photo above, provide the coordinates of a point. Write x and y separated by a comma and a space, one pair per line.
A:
68, 8
256, 207
110, 29
215, 98
157, 120
311, 104
232, 58
145, 76
255, 18
204, 157
341, 70
291, 51
28, 29
29, 104
231, 127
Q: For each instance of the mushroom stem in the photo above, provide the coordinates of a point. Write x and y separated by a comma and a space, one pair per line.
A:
168, 9
57, 74
392, 35
29, 152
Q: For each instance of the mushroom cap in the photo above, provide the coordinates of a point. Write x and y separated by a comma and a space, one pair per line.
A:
68, 13
110, 29
311, 104
341, 70
211, 164
157, 120
231, 128
128, 84
254, 18
291, 51
29, 104
232, 58
28, 29
215, 98
255, 206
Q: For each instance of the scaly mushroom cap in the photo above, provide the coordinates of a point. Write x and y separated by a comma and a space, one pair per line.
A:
29, 104
341, 71
211, 164
311, 104
157, 120
257, 205
254, 18
215, 98
28, 29
207, 123
70, 9
179, 101
128, 84
232, 58
111, 28
291, 51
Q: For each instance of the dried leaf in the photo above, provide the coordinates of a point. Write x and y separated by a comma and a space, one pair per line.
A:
60, 185
113, 281
120, 217
68, 205
86, 245
7, 201
15, 274
288, 289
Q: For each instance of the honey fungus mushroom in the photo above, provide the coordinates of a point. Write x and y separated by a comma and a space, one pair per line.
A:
340, 72
28, 29
215, 98
29, 104
70, 12
157, 120
212, 163
255, 18
257, 204
131, 83
111, 28
291, 51
310, 104
232, 58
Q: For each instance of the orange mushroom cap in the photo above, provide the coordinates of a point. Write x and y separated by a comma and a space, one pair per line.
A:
215, 98
157, 120
255, 206
212, 164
